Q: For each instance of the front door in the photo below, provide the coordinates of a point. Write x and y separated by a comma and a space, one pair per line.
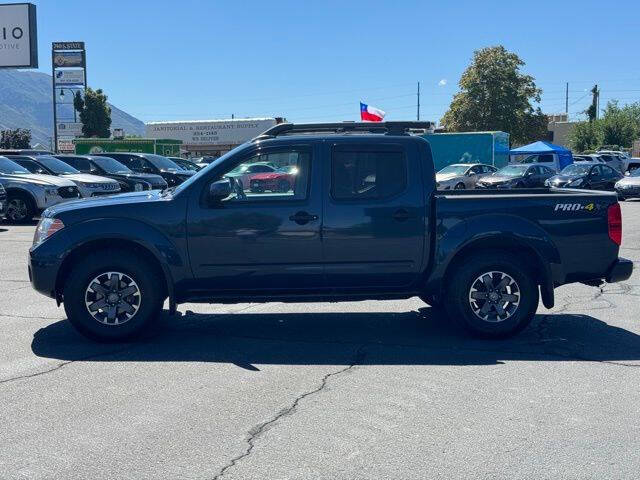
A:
374, 216
264, 236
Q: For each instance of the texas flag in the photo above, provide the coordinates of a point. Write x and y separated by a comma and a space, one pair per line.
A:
370, 114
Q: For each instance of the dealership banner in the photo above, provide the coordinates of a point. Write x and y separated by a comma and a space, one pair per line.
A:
65, 144
69, 77
210, 132
68, 59
18, 36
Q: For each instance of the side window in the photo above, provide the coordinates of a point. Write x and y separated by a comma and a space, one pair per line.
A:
608, 171
476, 170
134, 163
367, 175
279, 175
545, 158
489, 169
81, 164
596, 171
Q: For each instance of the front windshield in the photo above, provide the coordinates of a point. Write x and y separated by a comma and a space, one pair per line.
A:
218, 161
575, 169
10, 167
111, 165
55, 165
163, 163
512, 171
453, 169
635, 173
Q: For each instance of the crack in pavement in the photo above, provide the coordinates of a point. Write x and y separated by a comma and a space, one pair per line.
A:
258, 430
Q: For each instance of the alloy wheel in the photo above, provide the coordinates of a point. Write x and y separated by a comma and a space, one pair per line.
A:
112, 298
17, 210
494, 296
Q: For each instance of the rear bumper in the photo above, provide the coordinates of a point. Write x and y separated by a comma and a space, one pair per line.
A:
621, 270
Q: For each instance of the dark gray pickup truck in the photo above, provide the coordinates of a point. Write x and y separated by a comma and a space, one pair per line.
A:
343, 211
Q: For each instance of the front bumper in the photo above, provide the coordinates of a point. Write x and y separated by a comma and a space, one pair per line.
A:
628, 192
621, 270
45, 261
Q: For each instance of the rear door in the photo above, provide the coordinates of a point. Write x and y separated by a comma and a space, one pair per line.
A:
374, 215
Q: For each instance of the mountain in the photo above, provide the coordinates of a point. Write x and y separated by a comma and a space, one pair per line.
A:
25, 102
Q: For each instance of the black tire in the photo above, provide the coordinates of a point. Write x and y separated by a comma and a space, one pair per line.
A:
143, 274
464, 284
459, 186
23, 202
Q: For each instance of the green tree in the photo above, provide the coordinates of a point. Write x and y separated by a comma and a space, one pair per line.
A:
593, 108
95, 113
18, 138
495, 95
618, 127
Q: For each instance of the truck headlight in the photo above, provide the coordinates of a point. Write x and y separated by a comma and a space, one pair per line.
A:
46, 227
138, 187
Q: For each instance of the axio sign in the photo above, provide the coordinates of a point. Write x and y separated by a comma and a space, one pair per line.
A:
18, 37
210, 132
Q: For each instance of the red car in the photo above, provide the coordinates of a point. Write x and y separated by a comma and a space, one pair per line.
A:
280, 181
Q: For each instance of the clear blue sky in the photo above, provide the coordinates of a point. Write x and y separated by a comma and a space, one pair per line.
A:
315, 60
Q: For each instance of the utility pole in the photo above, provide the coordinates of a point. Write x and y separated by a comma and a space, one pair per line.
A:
418, 115
597, 102
566, 102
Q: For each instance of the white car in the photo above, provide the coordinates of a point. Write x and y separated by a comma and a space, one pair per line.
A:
460, 176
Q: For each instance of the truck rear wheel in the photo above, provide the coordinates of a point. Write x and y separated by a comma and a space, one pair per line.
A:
112, 295
492, 295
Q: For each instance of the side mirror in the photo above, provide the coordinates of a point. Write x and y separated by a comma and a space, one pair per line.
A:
219, 190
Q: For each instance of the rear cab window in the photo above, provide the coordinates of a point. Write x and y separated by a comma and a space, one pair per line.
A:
367, 173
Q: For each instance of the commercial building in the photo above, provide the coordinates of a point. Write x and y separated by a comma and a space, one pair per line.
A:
559, 128
210, 137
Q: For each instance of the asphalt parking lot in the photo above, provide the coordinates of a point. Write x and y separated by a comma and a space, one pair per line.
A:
362, 390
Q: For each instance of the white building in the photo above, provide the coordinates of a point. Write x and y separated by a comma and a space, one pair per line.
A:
210, 137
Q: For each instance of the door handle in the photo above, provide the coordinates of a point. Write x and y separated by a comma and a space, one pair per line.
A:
303, 217
401, 215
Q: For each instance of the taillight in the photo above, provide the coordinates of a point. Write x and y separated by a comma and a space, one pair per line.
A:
614, 220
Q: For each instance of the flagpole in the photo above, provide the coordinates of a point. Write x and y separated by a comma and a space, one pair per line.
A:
418, 116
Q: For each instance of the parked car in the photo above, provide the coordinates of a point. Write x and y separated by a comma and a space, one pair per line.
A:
462, 175
243, 174
517, 176
129, 180
613, 159
549, 160
3, 200
588, 158
592, 176
629, 186
29, 194
281, 180
24, 151
150, 163
366, 222
89, 185
186, 164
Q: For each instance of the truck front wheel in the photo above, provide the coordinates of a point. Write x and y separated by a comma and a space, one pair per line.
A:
112, 295
492, 295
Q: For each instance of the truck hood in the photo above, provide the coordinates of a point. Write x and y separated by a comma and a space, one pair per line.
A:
93, 202
87, 178
39, 179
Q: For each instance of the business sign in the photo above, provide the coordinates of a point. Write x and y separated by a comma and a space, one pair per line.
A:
210, 132
65, 144
67, 46
69, 77
18, 36
68, 59
70, 129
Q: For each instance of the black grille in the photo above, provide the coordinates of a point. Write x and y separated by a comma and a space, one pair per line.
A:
69, 192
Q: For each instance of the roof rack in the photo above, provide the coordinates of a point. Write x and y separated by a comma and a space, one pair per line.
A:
387, 128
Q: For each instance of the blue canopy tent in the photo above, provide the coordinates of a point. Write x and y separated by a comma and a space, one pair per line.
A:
565, 157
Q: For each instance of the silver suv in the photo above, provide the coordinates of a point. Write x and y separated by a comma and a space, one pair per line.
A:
29, 194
